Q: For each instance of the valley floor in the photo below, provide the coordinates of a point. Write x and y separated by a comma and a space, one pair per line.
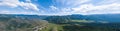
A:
81, 27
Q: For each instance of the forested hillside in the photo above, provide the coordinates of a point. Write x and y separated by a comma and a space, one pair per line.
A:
11, 22
18, 23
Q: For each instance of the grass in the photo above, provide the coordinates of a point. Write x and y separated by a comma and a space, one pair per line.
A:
52, 27
83, 21
65, 27
59, 27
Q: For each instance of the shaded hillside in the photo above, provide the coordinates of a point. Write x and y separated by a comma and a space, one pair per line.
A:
97, 17
58, 23
18, 23
58, 19
104, 17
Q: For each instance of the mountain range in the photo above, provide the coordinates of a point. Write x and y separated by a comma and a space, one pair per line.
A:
96, 17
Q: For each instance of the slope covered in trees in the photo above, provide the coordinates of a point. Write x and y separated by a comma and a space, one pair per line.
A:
18, 23
56, 23
58, 19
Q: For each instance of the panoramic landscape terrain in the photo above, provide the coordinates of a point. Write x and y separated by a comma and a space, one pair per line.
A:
75, 22
59, 15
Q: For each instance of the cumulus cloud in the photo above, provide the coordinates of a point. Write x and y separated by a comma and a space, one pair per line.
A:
17, 3
102, 9
14, 12
66, 6
57, 10
28, 0
70, 3
109, 1
91, 7
69, 6
53, 8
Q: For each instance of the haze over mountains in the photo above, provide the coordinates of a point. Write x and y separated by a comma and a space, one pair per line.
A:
96, 17
59, 15
20, 22
99, 17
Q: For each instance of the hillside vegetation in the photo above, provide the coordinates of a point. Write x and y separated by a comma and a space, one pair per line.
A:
13, 23
53, 23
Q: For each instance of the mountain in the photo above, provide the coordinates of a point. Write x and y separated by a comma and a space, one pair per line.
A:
77, 17
21, 22
58, 19
114, 18
99, 17
104, 17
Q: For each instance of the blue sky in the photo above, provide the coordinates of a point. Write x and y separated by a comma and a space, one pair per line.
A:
59, 7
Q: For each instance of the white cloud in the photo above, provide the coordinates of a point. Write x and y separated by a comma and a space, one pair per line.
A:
28, 0
17, 3
28, 6
57, 10
64, 6
89, 6
109, 1
70, 6
14, 12
70, 3
101, 9
53, 8
4, 11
